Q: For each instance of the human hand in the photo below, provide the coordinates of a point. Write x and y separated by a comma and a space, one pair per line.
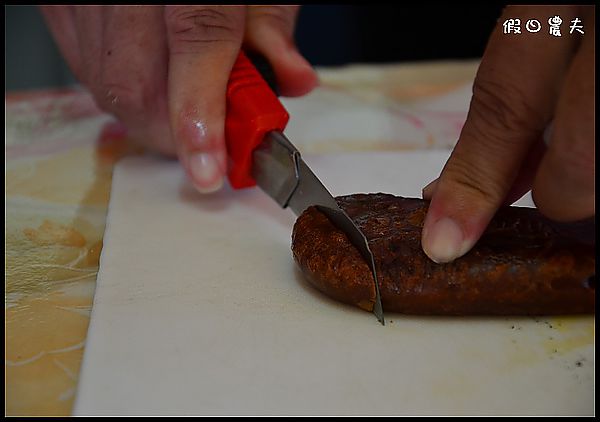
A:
163, 70
524, 82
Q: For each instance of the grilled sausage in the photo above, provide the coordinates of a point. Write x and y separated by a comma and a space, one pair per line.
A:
521, 265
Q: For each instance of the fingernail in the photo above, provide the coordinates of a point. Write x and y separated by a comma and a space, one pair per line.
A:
206, 172
444, 241
427, 191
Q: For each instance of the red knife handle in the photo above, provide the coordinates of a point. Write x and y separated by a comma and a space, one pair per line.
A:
253, 110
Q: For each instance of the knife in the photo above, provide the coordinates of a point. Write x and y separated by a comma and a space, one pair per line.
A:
260, 154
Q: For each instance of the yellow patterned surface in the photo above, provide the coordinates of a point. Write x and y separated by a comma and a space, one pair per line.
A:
60, 151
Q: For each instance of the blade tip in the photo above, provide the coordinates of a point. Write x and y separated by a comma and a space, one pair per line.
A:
378, 311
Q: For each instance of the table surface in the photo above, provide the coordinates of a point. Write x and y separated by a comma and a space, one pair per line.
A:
60, 151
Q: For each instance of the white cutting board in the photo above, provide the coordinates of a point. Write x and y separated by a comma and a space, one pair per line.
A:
200, 309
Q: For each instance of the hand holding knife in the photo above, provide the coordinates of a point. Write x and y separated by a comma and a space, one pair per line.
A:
261, 155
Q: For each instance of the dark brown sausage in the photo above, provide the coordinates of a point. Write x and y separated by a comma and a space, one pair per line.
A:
520, 266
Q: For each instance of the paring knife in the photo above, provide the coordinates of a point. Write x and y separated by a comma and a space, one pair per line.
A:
261, 155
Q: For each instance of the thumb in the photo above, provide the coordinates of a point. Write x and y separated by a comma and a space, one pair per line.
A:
514, 95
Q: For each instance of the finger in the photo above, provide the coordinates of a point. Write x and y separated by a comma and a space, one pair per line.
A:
524, 180
522, 183
514, 95
429, 189
564, 188
132, 82
61, 22
204, 42
269, 31
89, 25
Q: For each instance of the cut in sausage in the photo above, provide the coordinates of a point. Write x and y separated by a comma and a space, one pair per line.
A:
521, 265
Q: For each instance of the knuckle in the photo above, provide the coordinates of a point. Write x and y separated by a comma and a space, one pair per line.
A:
192, 28
474, 183
502, 107
281, 18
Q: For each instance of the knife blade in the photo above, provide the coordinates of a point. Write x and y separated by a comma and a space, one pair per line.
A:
260, 154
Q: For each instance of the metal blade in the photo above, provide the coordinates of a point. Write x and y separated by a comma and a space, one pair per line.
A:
280, 171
